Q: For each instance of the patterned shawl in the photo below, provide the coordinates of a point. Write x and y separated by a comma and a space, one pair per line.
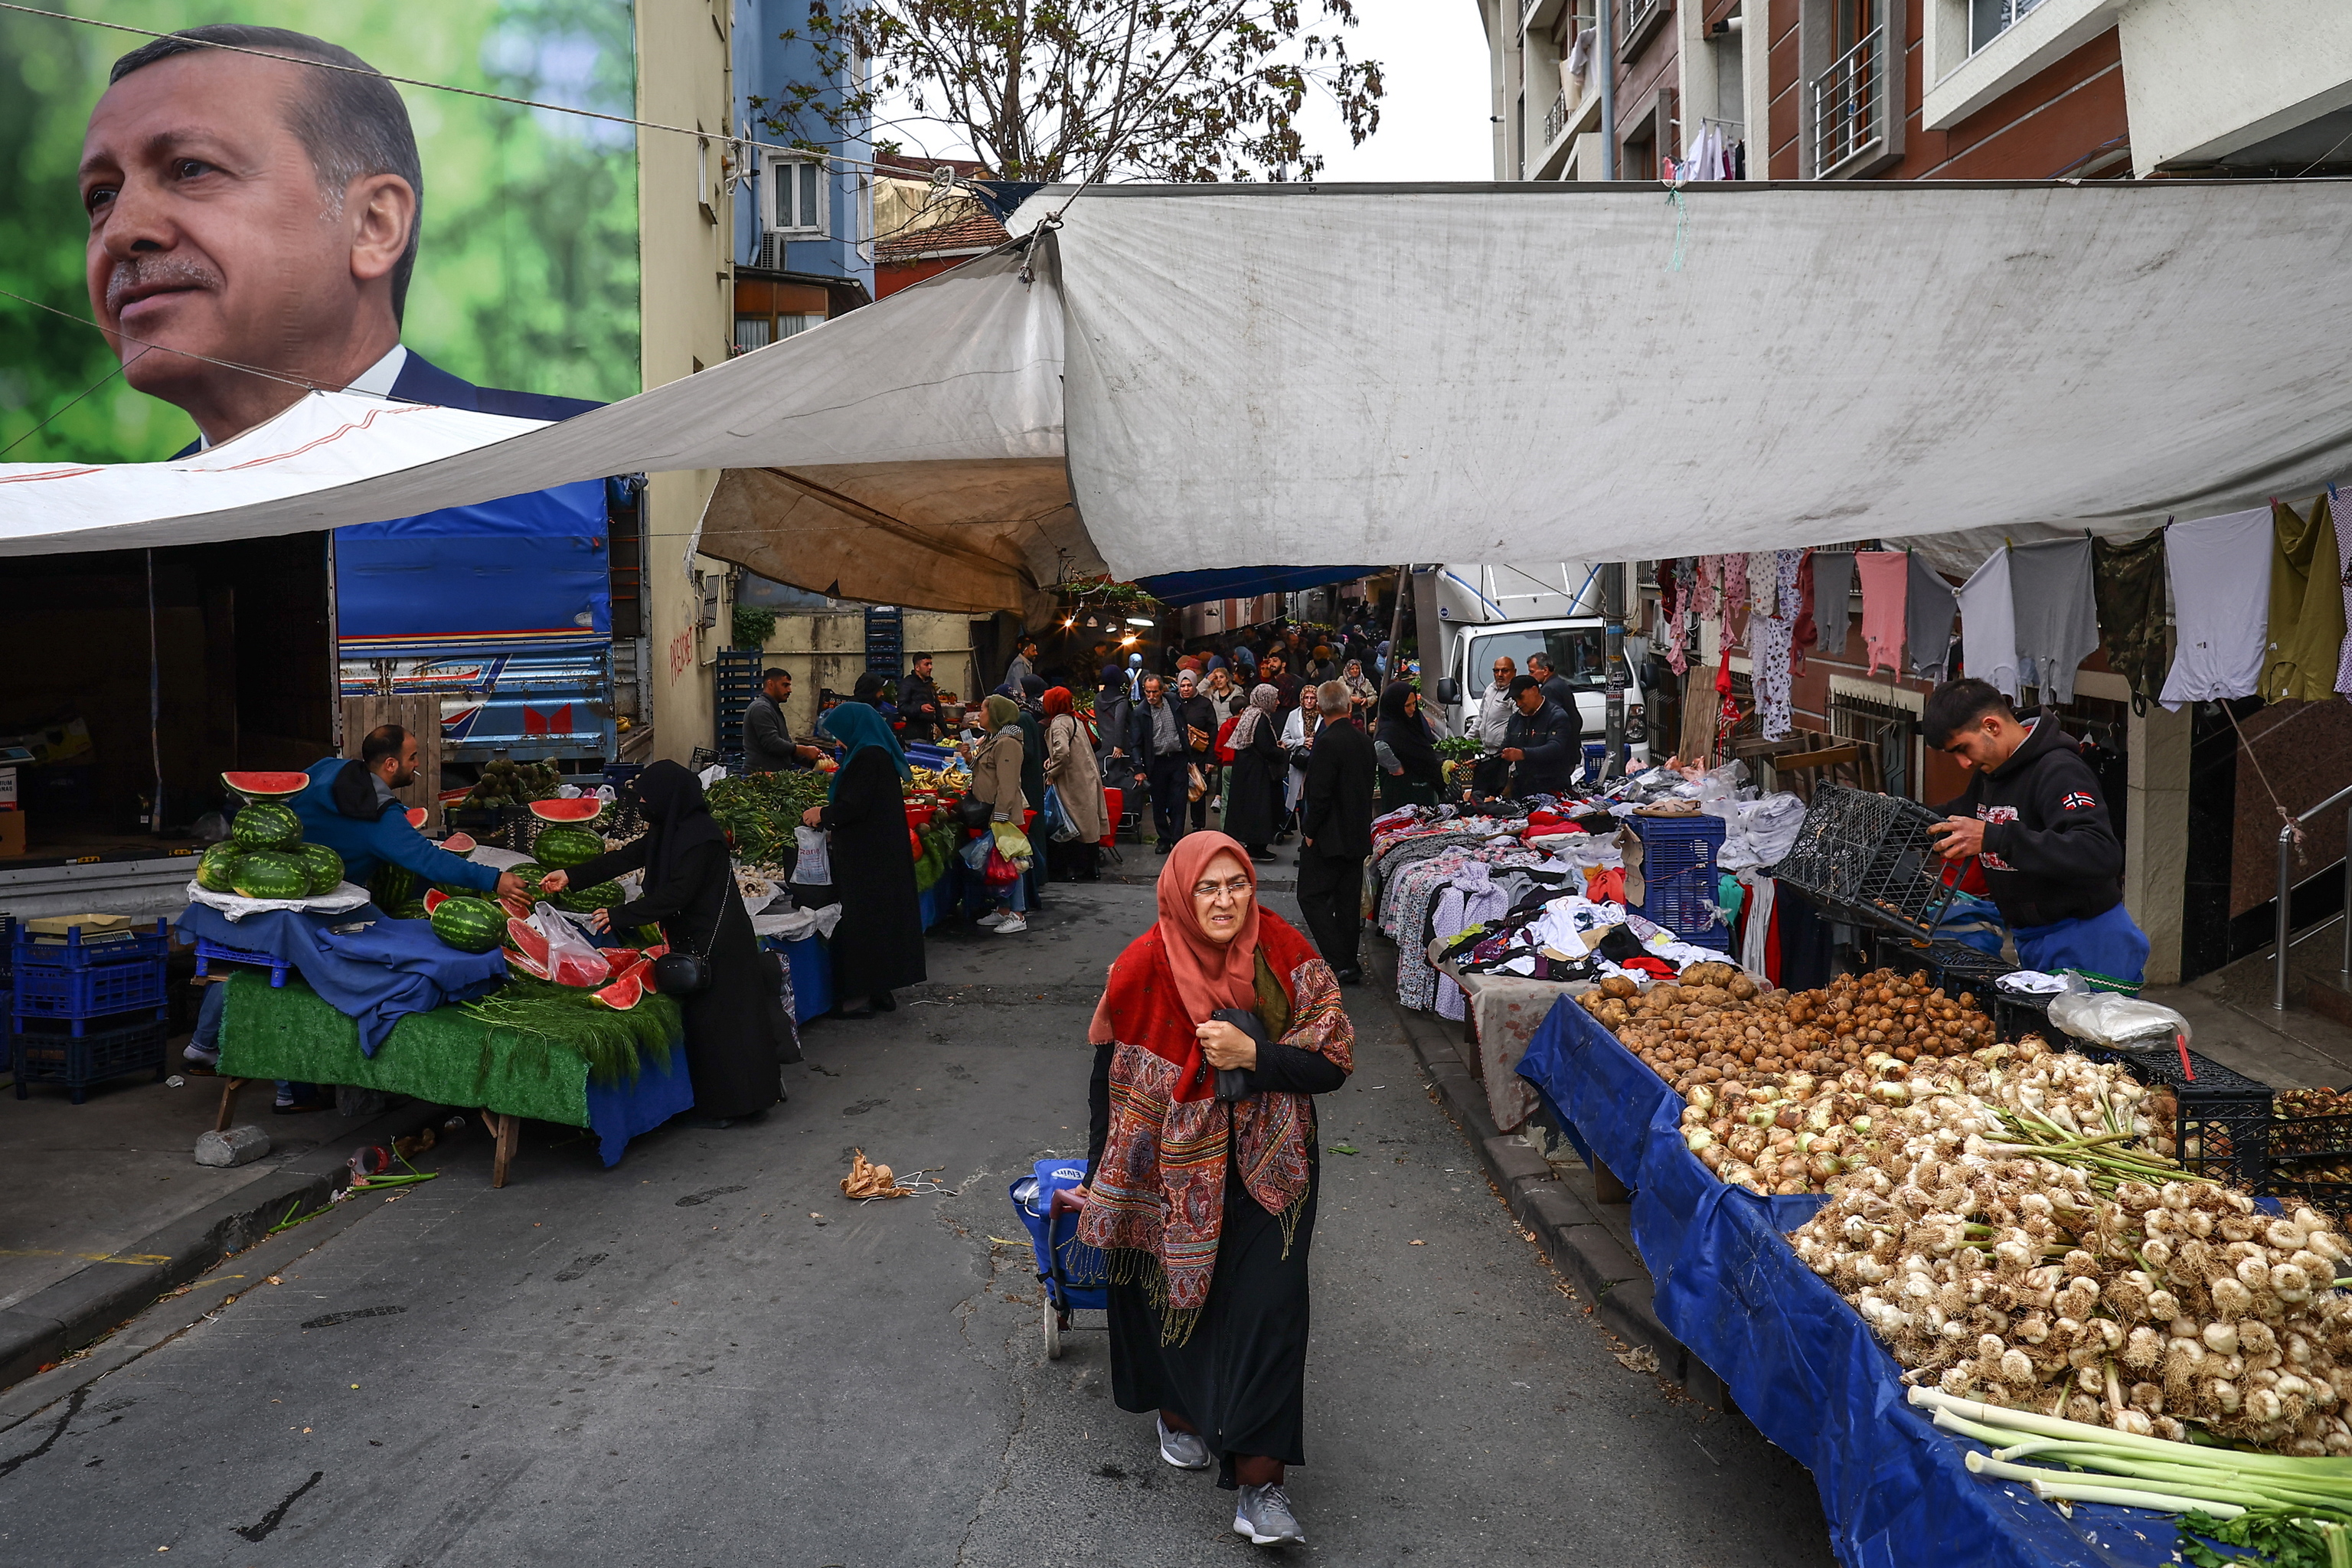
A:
1157, 1201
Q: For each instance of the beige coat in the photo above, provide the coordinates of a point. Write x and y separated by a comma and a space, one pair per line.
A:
1071, 769
996, 776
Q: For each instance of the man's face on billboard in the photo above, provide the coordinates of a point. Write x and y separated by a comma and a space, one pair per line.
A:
210, 234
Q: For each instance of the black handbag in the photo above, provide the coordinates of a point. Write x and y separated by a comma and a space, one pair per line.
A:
974, 812
682, 971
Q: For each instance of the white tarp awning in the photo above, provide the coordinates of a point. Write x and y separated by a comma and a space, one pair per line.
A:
1298, 375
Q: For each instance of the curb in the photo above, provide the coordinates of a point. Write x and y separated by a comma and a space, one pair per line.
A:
84, 1307
1566, 1231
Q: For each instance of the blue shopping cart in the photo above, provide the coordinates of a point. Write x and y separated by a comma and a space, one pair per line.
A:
1074, 1276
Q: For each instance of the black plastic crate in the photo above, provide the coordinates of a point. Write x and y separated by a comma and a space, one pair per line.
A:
2311, 1162
1870, 856
45, 1054
2017, 1015
2224, 1117
1953, 966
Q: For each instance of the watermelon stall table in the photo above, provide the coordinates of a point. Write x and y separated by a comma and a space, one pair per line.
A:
457, 1056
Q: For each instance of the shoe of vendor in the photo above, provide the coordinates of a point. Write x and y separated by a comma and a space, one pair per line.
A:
298, 1107
200, 1063
854, 1007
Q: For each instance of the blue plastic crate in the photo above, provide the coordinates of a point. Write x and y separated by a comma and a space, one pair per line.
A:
1678, 877
45, 1054
80, 996
209, 953
75, 953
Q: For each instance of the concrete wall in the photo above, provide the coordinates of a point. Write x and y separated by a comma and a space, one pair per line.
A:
827, 648
684, 225
2205, 80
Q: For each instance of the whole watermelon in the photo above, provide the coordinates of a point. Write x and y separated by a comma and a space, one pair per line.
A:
216, 868
531, 872
270, 874
393, 888
602, 896
323, 866
564, 846
470, 925
266, 825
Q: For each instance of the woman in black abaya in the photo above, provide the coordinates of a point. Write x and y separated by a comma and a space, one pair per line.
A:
736, 1031
879, 943
1409, 772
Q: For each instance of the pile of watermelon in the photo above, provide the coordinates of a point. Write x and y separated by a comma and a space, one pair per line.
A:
568, 836
264, 856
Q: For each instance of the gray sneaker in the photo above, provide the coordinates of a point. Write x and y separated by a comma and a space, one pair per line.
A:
1185, 1450
1263, 1513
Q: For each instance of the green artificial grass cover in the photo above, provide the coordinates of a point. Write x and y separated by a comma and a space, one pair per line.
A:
516, 1052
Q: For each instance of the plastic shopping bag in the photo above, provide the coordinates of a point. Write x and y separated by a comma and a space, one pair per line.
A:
571, 958
1000, 872
975, 853
1011, 843
814, 867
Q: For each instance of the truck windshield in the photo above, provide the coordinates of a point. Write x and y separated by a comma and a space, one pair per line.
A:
1575, 652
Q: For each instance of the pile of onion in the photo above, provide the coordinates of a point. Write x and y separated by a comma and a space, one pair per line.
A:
2056, 1282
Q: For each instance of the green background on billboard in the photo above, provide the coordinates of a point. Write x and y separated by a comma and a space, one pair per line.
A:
526, 273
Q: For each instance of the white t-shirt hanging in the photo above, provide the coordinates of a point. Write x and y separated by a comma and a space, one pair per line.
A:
1989, 624
2220, 574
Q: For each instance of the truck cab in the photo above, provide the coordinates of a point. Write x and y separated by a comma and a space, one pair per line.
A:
1471, 614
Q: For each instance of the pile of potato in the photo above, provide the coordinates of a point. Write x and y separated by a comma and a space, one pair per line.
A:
1718, 1025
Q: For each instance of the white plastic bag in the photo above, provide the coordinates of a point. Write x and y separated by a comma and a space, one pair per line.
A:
571, 958
2105, 1018
814, 867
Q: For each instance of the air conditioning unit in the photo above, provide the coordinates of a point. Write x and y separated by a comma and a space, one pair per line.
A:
794, 203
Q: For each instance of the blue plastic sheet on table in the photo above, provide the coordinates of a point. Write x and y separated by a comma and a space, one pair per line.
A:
1797, 1360
375, 976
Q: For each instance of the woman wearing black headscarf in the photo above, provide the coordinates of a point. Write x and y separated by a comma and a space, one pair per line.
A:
736, 1031
1409, 772
879, 943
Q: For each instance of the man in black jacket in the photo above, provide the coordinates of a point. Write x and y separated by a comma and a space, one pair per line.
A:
768, 743
918, 702
1543, 743
1336, 833
2033, 818
1155, 737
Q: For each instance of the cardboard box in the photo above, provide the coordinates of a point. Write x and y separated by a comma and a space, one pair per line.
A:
12, 833
7, 786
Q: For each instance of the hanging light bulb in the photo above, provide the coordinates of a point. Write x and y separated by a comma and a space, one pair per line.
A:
1091, 623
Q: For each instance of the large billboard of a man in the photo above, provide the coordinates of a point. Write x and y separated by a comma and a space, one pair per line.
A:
260, 217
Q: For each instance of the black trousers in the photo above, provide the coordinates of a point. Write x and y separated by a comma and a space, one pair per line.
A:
1330, 894
1169, 807
1201, 806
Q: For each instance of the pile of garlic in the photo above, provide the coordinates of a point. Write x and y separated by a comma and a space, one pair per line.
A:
2056, 1286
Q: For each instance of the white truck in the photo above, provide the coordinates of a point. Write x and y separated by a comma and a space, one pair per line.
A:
1467, 615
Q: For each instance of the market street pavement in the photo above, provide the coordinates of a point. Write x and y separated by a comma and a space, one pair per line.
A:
708, 1357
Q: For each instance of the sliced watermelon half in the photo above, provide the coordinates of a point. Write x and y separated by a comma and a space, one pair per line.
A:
434, 899
523, 962
418, 816
523, 937
622, 993
460, 844
586, 809
267, 786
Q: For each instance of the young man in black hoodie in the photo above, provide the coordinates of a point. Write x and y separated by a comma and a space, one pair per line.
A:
2033, 817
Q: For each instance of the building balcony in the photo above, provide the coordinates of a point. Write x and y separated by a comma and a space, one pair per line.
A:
1850, 105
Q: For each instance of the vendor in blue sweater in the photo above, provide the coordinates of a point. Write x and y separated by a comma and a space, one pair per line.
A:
351, 809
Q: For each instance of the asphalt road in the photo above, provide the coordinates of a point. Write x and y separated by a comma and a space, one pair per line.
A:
706, 1356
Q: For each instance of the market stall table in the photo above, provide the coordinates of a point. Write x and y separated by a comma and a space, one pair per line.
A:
460, 1057
1504, 1013
1798, 1359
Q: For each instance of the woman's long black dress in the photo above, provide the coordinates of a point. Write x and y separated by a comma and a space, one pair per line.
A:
736, 1032
878, 945
1239, 1378
1253, 791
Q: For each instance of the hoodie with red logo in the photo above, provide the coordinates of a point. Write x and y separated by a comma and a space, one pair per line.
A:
2050, 848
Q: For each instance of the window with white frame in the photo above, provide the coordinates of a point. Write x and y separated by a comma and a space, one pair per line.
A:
792, 195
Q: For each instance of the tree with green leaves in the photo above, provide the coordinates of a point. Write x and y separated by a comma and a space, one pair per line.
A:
1078, 89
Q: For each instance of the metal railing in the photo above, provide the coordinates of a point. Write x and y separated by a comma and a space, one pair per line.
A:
1637, 13
1847, 103
1555, 118
2287, 895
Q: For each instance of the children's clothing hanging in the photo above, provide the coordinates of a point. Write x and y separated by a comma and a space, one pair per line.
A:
1989, 624
1832, 597
1886, 585
2220, 568
2306, 612
1928, 616
1770, 638
1763, 579
2057, 614
2129, 584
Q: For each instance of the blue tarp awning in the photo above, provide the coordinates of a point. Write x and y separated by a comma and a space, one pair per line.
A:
1180, 588
528, 571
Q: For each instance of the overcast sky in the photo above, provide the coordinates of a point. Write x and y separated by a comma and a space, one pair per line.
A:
1434, 122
